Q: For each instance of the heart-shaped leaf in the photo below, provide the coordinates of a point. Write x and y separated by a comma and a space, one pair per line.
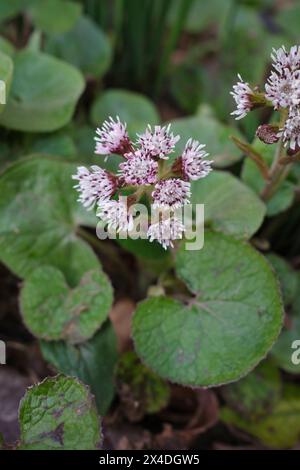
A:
85, 46
52, 311
224, 331
135, 109
93, 362
43, 95
39, 219
230, 206
59, 414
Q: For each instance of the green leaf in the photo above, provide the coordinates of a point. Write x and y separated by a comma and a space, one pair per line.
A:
85, 46
225, 330
6, 73
55, 16
140, 390
10, 8
59, 414
287, 276
39, 219
55, 144
186, 86
43, 95
93, 362
133, 108
280, 429
284, 197
205, 128
51, 310
7, 47
288, 19
255, 395
230, 206
201, 14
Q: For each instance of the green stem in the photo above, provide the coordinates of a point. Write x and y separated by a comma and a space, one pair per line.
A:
277, 174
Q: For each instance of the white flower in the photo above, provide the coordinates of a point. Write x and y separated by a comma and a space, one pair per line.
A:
165, 231
112, 137
283, 59
171, 193
94, 185
194, 165
283, 90
138, 169
242, 96
115, 214
158, 142
291, 131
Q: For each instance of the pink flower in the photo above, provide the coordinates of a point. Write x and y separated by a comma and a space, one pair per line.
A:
194, 165
291, 131
94, 185
138, 169
171, 193
165, 231
158, 142
242, 96
115, 214
283, 89
112, 137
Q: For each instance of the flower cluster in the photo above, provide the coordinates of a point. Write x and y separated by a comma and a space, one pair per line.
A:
143, 171
282, 92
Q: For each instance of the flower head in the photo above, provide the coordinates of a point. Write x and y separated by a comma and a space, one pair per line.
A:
158, 142
115, 214
112, 137
283, 89
283, 59
138, 169
242, 94
291, 131
94, 185
171, 193
165, 231
268, 133
194, 165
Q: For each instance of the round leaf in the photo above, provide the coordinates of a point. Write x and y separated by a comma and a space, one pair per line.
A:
43, 95
229, 205
59, 414
85, 46
55, 16
133, 108
225, 330
39, 219
52, 311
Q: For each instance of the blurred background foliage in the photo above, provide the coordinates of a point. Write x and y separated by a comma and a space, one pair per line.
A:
69, 64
